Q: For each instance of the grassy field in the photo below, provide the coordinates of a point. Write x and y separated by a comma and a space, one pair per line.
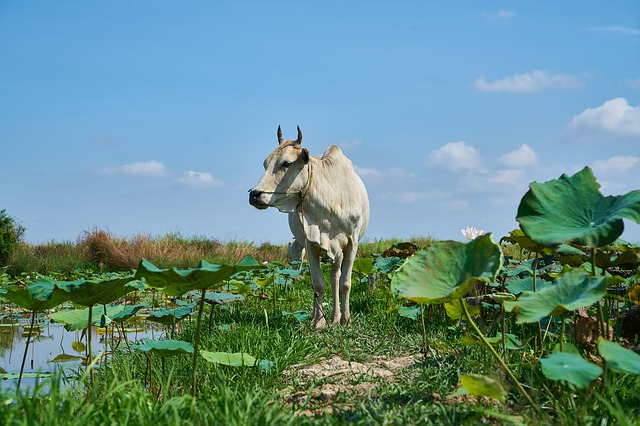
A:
375, 371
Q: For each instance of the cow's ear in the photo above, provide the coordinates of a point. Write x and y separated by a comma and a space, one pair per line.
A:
305, 155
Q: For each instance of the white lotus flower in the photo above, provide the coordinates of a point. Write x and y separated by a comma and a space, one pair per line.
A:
472, 233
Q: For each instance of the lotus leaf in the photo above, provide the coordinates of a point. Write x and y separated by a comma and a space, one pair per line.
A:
447, 270
39, 295
573, 290
479, 385
165, 348
571, 209
76, 319
571, 368
237, 359
618, 358
170, 316
175, 282
411, 312
96, 292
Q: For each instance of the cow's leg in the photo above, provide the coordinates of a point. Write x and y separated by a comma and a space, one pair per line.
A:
335, 282
345, 280
317, 280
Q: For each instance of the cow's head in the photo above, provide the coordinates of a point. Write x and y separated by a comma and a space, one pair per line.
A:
285, 180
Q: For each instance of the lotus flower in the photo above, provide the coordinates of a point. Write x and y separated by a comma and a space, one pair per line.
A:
472, 233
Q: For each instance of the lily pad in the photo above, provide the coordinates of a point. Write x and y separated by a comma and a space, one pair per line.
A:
571, 209
237, 359
570, 368
447, 270
575, 289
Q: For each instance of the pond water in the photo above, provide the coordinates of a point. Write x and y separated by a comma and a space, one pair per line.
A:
52, 348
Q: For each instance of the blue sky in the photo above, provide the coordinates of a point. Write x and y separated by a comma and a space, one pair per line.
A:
148, 117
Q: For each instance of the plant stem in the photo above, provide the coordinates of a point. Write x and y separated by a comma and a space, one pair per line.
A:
499, 359
601, 327
504, 336
424, 334
562, 333
89, 344
196, 343
275, 307
535, 289
26, 347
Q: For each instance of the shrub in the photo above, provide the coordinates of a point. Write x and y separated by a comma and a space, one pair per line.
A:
10, 233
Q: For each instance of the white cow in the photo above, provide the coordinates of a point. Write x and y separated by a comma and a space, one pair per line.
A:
328, 209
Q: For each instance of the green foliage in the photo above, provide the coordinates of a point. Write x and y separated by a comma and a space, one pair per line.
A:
571, 209
447, 270
10, 234
571, 368
573, 290
165, 348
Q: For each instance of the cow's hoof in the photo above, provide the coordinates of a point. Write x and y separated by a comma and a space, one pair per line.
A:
345, 321
321, 323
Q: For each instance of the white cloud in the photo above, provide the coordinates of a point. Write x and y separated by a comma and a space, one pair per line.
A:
150, 168
455, 156
500, 14
493, 180
375, 175
524, 156
619, 164
533, 81
620, 30
198, 180
614, 117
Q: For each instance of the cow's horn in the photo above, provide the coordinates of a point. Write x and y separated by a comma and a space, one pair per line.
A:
299, 140
280, 139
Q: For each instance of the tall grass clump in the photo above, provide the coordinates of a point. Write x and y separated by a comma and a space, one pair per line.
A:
100, 251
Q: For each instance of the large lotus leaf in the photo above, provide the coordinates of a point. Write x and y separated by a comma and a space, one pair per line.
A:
618, 358
38, 296
573, 290
76, 319
165, 348
175, 282
571, 368
97, 292
447, 270
479, 385
571, 209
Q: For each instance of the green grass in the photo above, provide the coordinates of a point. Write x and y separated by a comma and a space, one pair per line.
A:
419, 392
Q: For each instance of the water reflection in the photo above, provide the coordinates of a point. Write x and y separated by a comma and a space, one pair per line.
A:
52, 348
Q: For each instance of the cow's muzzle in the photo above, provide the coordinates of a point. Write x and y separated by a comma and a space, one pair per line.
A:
254, 199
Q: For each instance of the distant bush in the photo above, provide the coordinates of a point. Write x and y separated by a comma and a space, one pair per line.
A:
10, 233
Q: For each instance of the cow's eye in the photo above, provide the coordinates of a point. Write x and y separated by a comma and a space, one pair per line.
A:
285, 164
